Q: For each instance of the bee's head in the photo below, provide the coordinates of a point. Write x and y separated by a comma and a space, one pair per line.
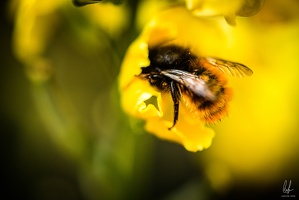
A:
150, 70
154, 76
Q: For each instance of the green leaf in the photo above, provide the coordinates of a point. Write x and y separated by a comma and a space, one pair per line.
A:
250, 8
86, 2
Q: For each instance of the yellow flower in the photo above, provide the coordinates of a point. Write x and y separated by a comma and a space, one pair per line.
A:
147, 9
259, 142
36, 22
113, 19
227, 8
205, 37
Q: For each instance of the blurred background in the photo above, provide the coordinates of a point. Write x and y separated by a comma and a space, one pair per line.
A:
65, 136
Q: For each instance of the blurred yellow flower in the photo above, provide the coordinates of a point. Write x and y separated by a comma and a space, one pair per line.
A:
36, 22
205, 37
259, 142
113, 19
227, 8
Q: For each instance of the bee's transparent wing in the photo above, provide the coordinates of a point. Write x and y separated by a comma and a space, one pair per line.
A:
230, 68
190, 81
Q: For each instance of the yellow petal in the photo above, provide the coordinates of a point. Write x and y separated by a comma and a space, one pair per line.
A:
191, 133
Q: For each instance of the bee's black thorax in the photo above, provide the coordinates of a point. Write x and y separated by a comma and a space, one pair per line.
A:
171, 57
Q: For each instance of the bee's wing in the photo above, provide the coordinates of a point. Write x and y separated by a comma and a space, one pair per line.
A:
190, 81
228, 67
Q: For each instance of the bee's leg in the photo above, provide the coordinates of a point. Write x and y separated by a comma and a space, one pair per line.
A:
176, 95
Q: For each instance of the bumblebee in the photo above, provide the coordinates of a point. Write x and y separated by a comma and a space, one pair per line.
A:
198, 82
